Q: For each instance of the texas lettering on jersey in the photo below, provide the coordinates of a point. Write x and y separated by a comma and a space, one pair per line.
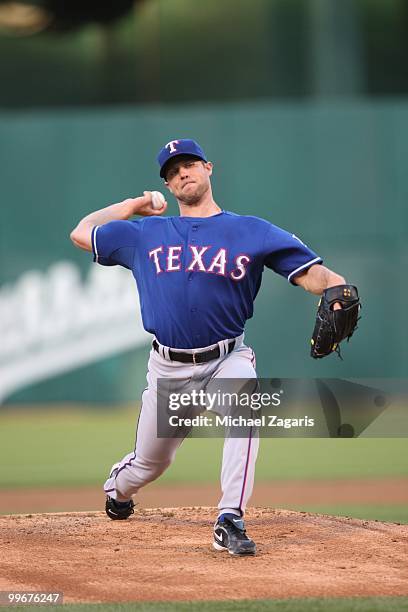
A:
168, 259
198, 277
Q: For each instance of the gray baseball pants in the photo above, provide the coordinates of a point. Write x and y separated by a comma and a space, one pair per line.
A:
153, 455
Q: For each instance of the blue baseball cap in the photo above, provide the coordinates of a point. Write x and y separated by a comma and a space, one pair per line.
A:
182, 146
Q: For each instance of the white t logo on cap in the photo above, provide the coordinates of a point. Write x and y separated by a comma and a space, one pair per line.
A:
171, 145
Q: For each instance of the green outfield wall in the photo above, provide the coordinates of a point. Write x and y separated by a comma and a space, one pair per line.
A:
335, 174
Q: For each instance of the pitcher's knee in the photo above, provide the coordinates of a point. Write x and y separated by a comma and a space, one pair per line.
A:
138, 473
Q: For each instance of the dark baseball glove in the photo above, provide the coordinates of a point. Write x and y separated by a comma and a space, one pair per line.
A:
333, 326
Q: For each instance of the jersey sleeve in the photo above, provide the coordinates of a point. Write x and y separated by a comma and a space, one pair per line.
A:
115, 242
286, 254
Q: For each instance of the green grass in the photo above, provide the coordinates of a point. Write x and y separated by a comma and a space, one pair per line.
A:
363, 604
397, 513
77, 447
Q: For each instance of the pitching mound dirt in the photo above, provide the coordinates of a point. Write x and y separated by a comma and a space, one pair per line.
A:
167, 554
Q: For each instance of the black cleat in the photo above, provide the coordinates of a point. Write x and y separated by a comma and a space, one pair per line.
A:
230, 534
118, 511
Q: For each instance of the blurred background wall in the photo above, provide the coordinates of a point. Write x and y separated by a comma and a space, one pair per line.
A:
300, 104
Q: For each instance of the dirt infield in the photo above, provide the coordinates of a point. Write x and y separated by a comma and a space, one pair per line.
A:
276, 493
166, 554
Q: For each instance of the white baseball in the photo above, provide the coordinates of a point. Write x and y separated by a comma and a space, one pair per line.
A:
157, 200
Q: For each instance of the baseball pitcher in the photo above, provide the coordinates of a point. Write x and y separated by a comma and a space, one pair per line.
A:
198, 275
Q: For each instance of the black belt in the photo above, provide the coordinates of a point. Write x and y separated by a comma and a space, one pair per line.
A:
195, 357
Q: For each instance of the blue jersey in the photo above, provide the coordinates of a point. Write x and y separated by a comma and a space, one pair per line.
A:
198, 277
